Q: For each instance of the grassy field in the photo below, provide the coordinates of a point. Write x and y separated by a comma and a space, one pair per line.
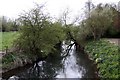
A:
7, 39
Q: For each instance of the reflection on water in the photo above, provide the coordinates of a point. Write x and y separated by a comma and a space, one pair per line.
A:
75, 65
71, 69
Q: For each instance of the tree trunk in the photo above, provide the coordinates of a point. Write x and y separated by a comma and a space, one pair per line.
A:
94, 35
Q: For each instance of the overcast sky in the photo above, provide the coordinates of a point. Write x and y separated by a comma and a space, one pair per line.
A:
12, 8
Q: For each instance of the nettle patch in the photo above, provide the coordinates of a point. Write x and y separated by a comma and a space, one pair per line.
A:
106, 56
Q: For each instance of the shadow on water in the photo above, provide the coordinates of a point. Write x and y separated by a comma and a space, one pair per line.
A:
75, 65
89, 68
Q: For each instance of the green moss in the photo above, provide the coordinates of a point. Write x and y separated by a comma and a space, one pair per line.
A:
107, 57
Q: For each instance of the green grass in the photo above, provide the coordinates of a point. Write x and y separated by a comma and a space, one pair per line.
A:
106, 56
7, 39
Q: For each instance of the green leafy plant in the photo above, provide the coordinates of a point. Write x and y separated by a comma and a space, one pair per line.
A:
106, 56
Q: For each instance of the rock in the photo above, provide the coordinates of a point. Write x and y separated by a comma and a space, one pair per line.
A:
14, 78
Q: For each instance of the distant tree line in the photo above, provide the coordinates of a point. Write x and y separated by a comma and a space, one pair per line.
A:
8, 24
102, 20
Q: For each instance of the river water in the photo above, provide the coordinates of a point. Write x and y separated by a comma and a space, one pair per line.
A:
75, 65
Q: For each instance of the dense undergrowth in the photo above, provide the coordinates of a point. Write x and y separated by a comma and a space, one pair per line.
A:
106, 56
13, 60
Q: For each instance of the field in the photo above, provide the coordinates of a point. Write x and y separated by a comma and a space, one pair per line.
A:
7, 39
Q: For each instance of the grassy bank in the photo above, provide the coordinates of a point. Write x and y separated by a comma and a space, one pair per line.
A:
14, 60
106, 56
7, 39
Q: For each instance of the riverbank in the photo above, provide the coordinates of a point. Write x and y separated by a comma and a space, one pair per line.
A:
14, 60
106, 55
75, 65
9, 58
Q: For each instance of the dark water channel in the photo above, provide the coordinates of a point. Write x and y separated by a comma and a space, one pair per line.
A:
75, 65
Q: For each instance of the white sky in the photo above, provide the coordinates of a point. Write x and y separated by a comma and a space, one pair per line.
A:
12, 8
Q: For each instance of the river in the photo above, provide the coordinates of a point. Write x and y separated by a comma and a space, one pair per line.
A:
75, 65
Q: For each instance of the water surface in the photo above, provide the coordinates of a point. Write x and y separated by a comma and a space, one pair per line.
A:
75, 65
